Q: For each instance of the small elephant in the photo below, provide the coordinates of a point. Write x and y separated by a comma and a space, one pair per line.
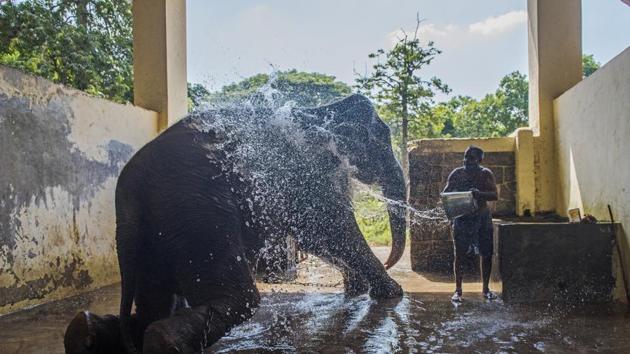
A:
201, 203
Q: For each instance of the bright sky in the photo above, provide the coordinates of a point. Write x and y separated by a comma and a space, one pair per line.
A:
481, 40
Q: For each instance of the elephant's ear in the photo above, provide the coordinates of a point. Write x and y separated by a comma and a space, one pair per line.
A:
317, 136
322, 140
352, 138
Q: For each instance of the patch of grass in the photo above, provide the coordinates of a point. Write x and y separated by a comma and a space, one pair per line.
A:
371, 215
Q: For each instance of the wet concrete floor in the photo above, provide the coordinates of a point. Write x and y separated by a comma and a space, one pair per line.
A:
311, 315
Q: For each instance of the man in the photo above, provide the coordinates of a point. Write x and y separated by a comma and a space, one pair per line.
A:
472, 233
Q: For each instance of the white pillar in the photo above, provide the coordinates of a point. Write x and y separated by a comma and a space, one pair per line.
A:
555, 65
159, 58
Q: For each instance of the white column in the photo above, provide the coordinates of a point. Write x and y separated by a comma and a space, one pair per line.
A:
555, 65
159, 58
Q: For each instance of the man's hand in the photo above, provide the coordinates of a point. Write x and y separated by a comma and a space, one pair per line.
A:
475, 193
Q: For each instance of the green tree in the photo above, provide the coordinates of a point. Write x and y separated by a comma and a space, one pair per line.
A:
197, 95
85, 44
372, 218
497, 114
305, 89
589, 65
396, 85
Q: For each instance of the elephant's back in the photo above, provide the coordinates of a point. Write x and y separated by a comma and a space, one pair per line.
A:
177, 171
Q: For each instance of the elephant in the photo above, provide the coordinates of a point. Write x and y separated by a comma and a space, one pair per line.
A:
199, 205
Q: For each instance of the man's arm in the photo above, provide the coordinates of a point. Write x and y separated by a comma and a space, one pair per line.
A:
488, 190
450, 186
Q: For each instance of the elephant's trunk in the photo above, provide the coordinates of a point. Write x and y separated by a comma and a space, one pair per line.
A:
393, 186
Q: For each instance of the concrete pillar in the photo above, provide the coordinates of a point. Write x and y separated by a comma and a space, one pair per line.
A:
159, 58
524, 172
555, 65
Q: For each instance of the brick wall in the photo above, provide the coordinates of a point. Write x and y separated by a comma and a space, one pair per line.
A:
428, 172
431, 242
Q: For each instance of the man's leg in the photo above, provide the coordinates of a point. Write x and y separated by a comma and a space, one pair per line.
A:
486, 269
486, 248
459, 272
462, 238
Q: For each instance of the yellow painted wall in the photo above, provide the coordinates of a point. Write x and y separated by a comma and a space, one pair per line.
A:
460, 144
592, 137
60, 155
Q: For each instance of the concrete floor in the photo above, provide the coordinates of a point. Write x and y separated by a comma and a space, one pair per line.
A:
312, 315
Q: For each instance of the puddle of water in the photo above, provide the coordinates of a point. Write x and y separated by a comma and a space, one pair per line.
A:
294, 322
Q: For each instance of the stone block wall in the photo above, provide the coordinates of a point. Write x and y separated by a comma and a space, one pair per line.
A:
428, 173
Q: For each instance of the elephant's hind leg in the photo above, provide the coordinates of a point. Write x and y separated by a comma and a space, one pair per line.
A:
216, 280
155, 299
189, 330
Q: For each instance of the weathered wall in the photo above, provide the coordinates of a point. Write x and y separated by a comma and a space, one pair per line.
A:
60, 154
592, 122
430, 163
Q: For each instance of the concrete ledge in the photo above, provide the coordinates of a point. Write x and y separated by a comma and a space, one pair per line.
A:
554, 262
460, 144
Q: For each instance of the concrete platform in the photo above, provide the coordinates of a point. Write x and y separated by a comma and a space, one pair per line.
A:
556, 262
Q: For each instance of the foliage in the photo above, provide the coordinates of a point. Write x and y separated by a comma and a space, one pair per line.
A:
372, 218
305, 89
396, 85
85, 44
197, 95
497, 114
589, 65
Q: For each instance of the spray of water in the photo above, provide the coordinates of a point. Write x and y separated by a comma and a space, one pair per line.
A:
280, 159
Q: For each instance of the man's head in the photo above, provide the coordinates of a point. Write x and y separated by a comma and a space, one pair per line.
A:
472, 157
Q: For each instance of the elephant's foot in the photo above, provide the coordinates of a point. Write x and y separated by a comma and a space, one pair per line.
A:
355, 286
388, 288
89, 333
189, 330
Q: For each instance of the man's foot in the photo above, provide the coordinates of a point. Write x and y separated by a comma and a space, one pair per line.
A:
489, 295
473, 250
457, 296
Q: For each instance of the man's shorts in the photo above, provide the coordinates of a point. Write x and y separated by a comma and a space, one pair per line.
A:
467, 228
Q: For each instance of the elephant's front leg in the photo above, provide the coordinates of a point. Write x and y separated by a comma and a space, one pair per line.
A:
354, 283
351, 248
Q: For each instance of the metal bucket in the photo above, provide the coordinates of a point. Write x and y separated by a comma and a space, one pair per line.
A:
458, 203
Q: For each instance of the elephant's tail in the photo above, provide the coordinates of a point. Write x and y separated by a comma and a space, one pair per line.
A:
127, 244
